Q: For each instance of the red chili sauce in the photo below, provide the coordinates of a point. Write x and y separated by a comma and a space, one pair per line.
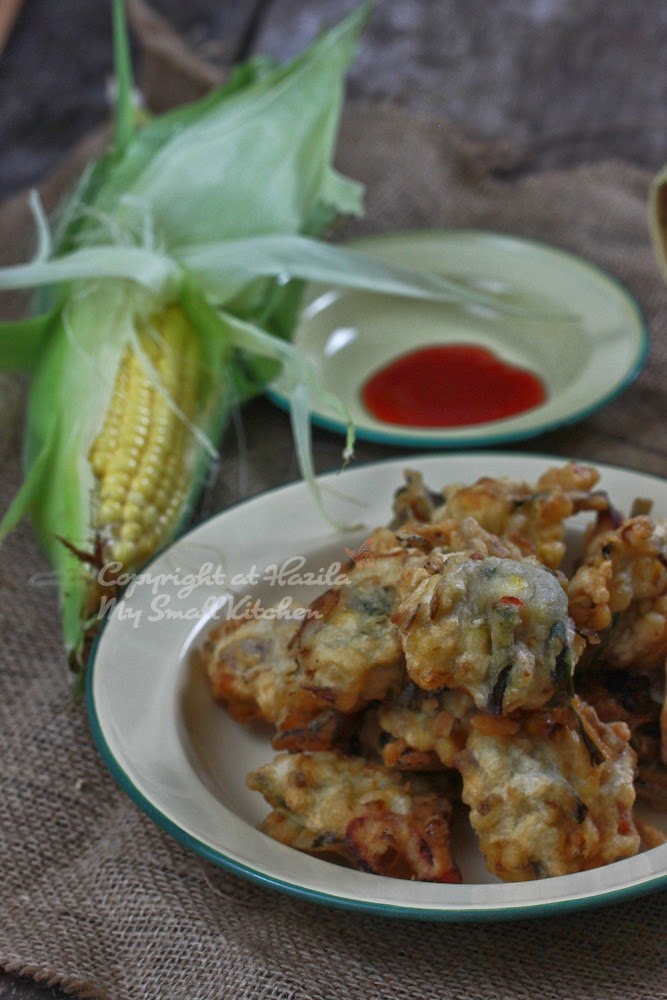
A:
452, 385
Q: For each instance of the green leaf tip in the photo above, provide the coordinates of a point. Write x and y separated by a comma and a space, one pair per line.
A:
124, 115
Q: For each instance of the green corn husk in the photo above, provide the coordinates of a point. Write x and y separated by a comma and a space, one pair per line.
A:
185, 178
213, 208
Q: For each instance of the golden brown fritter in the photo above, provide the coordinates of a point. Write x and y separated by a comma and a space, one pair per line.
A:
305, 724
550, 792
638, 637
414, 501
529, 520
255, 675
495, 628
624, 570
351, 653
635, 699
250, 667
529, 517
618, 600
374, 819
455, 536
419, 730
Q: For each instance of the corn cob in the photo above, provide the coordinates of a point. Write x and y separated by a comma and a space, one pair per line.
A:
140, 457
124, 458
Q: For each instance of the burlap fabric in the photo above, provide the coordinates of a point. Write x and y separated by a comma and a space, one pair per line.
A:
96, 899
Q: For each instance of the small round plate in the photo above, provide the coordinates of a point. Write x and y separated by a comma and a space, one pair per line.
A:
349, 335
184, 760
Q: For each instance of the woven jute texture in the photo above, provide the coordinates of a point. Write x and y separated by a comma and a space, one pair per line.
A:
95, 898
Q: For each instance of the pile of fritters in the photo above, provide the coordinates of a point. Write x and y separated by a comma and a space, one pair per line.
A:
457, 666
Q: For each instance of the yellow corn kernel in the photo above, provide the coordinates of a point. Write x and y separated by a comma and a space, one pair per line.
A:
131, 532
140, 457
107, 440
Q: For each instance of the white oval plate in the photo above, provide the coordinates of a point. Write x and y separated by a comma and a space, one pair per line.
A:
348, 334
184, 761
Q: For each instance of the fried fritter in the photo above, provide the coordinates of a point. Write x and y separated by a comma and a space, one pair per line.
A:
621, 696
618, 599
419, 730
619, 568
551, 792
374, 819
414, 501
638, 637
529, 517
456, 536
529, 520
495, 628
254, 674
351, 653
250, 667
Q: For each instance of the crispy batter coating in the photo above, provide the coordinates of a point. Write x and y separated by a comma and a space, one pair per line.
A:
529, 517
250, 667
255, 675
495, 628
638, 637
414, 501
619, 566
551, 792
351, 653
456, 536
419, 730
635, 699
374, 819
618, 599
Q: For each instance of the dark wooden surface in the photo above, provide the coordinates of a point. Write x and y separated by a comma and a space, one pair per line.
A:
564, 81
